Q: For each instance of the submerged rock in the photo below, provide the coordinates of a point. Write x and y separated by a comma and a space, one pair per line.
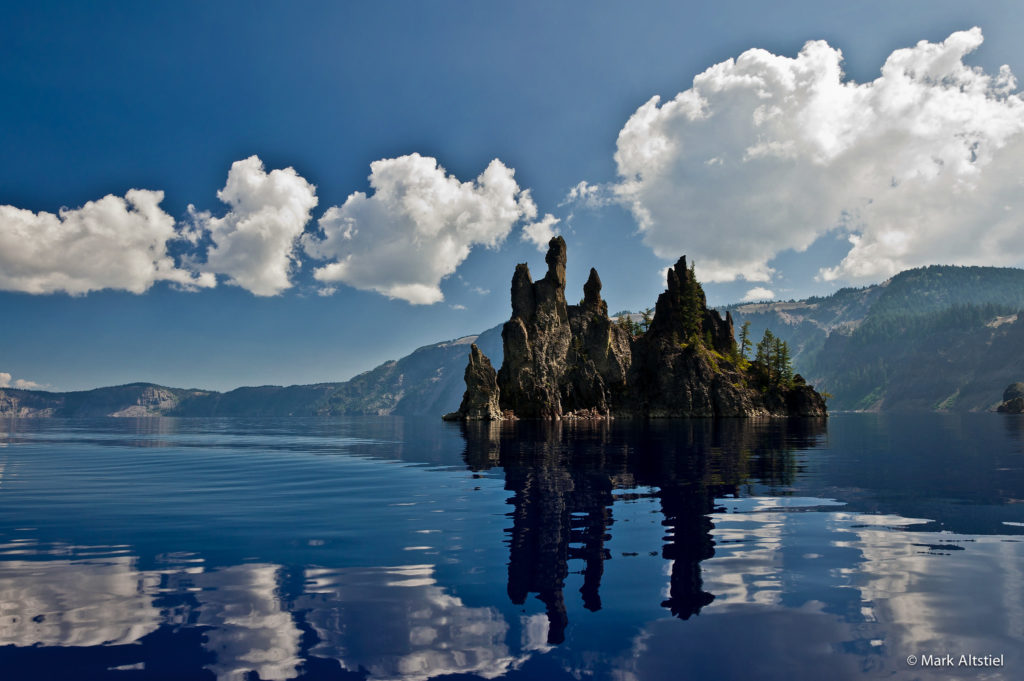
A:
572, 361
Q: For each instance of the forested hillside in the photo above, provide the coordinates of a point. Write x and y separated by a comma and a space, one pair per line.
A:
939, 337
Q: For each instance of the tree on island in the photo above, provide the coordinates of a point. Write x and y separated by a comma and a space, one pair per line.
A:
774, 360
744, 340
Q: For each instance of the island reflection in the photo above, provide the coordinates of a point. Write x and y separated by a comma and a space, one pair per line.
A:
564, 476
407, 550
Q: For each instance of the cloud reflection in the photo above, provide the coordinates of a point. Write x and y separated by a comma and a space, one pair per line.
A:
397, 623
76, 603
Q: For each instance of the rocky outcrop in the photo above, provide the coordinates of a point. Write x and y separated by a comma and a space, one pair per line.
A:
560, 360
13, 405
1013, 399
572, 361
480, 403
153, 401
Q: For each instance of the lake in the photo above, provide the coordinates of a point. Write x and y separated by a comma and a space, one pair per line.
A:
867, 546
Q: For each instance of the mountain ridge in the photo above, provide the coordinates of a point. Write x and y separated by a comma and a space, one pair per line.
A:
941, 337
954, 369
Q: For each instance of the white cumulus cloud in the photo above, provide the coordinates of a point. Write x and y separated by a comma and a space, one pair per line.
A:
541, 232
416, 227
110, 243
254, 243
588, 195
758, 293
765, 153
20, 383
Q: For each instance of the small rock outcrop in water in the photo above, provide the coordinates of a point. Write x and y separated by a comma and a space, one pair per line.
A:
572, 361
1013, 399
480, 403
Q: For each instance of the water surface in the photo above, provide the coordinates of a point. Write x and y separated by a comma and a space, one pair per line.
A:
383, 548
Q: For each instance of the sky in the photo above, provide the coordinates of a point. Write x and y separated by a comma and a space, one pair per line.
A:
221, 194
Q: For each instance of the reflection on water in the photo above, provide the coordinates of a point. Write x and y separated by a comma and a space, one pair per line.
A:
421, 630
76, 603
565, 476
250, 622
383, 549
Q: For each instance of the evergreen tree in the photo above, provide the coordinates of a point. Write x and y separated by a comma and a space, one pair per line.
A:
785, 365
745, 339
646, 317
774, 357
781, 365
765, 349
692, 307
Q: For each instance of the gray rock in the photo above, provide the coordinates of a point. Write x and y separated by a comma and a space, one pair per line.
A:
1013, 399
480, 403
1013, 392
572, 361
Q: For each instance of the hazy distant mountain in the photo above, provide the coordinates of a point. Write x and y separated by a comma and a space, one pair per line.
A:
947, 338
429, 381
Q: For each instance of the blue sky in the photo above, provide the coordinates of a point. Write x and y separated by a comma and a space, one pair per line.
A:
101, 99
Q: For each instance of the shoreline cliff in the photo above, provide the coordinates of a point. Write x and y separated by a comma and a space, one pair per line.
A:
573, 361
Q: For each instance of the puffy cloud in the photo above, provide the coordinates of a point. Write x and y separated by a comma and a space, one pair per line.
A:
254, 243
765, 153
588, 195
758, 293
111, 243
541, 232
416, 228
20, 383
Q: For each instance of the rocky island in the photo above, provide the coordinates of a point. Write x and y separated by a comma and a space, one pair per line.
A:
1013, 399
573, 361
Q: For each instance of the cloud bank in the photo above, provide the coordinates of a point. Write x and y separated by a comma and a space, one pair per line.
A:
122, 243
111, 243
765, 153
417, 227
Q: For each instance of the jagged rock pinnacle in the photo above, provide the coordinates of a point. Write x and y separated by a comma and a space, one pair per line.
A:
480, 402
592, 292
556, 259
523, 300
571, 361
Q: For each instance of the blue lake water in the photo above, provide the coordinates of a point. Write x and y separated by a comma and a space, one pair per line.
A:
383, 548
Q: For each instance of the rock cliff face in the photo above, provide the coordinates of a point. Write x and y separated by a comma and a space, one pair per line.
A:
13, 405
560, 359
572, 361
480, 403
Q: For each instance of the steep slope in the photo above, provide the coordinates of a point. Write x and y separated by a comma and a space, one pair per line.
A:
427, 381
938, 337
